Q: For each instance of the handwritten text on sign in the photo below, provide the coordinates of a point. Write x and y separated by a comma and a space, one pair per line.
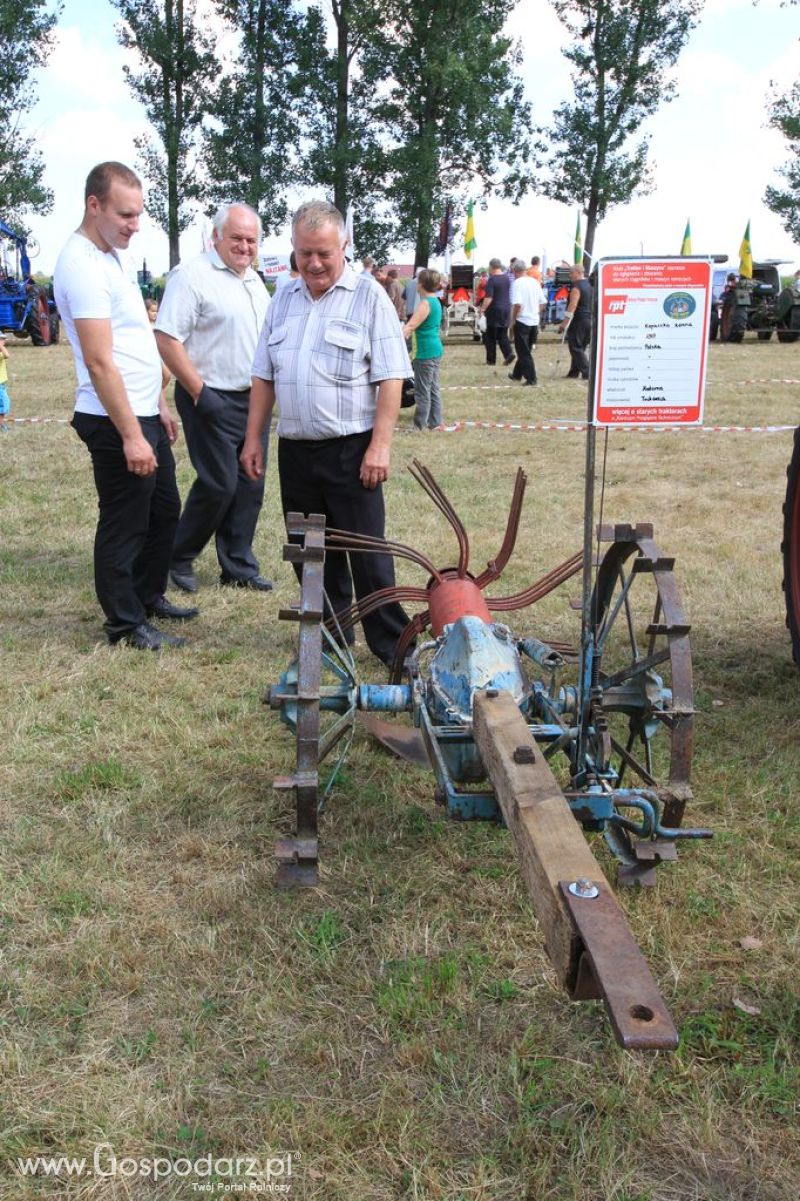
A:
652, 341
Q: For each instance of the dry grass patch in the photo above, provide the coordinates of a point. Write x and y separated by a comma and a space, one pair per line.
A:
400, 1026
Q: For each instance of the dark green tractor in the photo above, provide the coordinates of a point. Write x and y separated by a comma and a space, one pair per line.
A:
763, 305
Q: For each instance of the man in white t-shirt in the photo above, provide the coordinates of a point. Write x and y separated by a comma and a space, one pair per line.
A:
527, 298
121, 412
207, 330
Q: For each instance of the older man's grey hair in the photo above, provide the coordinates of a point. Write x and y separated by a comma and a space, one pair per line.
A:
220, 218
495, 264
518, 267
315, 214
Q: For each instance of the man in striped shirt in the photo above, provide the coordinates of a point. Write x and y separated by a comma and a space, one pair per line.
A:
332, 354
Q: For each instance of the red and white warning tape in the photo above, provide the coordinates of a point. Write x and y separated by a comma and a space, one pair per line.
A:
745, 383
579, 427
535, 427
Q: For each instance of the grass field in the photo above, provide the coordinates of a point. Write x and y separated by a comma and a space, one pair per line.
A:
398, 1030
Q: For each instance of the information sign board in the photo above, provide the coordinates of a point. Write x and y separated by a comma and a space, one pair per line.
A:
652, 341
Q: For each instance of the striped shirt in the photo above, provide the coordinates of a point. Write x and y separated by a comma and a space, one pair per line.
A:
326, 357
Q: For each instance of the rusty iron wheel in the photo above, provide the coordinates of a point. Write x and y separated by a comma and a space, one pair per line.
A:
791, 548
644, 673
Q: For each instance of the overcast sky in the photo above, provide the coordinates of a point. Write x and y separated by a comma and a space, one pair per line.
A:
710, 149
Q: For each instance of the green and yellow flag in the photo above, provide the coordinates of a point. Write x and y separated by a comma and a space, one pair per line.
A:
470, 243
686, 244
577, 254
746, 256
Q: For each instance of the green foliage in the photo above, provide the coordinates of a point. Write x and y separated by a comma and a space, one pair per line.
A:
785, 201
622, 53
25, 37
345, 149
450, 105
175, 87
251, 150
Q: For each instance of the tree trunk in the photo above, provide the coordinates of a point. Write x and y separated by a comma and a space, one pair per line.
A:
428, 160
341, 146
591, 228
173, 120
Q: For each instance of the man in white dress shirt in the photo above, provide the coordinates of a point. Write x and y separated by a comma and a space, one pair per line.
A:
207, 329
527, 298
333, 356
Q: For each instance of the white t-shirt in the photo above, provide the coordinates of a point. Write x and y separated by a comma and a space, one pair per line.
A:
92, 283
528, 294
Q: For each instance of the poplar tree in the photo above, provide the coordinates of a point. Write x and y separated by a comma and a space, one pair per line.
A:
346, 151
785, 117
622, 52
451, 106
252, 148
26, 28
175, 86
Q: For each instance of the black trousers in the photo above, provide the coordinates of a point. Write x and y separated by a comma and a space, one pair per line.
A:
496, 335
136, 523
222, 502
525, 337
578, 336
322, 477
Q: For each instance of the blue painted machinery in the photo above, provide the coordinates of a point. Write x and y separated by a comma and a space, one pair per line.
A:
544, 734
26, 309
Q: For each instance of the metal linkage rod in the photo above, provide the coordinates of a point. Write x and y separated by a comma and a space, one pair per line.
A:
520, 600
362, 543
425, 479
495, 566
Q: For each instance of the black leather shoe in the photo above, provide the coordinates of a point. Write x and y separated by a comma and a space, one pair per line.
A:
165, 609
185, 580
256, 582
147, 638
509, 360
529, 383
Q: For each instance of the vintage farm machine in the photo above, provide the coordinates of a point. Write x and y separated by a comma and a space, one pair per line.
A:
26, 309
546, 735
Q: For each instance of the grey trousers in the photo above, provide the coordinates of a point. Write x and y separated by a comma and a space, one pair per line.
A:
222, 502
428, 409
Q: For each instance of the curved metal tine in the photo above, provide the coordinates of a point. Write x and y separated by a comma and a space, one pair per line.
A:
369, 604
361, 543
495, 568
426, 481
415, 626
520, 600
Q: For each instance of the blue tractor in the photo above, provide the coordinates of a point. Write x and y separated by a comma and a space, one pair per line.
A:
26, 308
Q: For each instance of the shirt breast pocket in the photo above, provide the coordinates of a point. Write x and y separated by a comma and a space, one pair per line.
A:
277, 348
343, 358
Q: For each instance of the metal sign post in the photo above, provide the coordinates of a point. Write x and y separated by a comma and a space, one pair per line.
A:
648, 367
